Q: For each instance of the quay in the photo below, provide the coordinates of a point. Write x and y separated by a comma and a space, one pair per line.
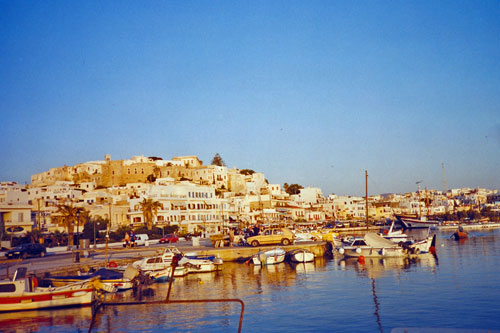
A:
63, 263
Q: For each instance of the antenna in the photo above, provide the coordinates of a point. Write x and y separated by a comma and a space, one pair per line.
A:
418, 183
445, 184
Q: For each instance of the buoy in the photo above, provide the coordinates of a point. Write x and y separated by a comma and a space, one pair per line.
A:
361, 260
341, 250
112, 264
358, 250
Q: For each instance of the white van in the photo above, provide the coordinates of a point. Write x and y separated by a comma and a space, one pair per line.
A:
140, 240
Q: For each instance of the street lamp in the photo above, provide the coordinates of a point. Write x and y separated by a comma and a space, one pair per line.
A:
77, 228
77, 256
94, 235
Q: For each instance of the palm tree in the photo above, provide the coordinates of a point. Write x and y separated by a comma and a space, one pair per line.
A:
149, 211
71, 215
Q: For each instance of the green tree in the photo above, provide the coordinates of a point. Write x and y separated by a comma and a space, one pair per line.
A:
217, 160
149, 209
293, 188
71, 216
247, 172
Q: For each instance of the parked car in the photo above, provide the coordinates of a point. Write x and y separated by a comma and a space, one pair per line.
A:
272, 236
169, 238
26, 250
140, 239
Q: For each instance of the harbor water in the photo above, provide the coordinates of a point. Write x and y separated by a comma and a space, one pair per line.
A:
459, 288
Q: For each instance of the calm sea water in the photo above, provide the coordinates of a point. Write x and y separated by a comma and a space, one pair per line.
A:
458, 289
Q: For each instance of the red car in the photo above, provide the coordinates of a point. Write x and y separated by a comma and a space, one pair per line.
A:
169, 238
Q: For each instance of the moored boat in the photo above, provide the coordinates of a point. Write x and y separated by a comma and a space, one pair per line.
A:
23, 293
269, 257
300, 255
395, 235
186, 264
108, 277
371, 245
374, 245
415, 222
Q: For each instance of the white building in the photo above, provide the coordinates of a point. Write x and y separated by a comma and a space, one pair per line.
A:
15, 209
190, 206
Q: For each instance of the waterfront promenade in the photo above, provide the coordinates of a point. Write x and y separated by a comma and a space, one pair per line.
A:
60, 260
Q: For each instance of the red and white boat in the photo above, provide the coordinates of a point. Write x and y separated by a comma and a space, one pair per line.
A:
23, 293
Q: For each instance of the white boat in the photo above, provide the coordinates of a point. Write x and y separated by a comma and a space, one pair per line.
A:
374, 245
269, 257
164, 275
300, 255
22, 293
371, 245
186, 264
426, 245
198, 265
394, 235
159, 267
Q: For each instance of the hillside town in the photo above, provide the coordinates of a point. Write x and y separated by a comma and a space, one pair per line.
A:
184, 192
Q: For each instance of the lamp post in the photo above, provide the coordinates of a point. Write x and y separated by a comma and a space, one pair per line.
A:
95, 246
77, 256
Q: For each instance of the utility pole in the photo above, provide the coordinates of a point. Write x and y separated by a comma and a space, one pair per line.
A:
107, 235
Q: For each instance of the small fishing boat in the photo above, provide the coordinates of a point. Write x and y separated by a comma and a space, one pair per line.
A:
300, 255
23, 293
415, 222
269, 257
186, 264
164, 275
374, 245
371, 245
460, 234
108, 277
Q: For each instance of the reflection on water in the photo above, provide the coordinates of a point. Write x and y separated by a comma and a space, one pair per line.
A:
31, 321
330, 294
376, 268
380, 267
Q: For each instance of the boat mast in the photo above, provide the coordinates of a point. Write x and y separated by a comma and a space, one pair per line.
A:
419, 209
366, 196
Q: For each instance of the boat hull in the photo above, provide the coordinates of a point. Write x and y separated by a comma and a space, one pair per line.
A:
356, 252
301, 256
460, 235
270, 257
416, 223
47, 299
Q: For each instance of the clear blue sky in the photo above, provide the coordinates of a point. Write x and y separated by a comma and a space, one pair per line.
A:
307, 92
